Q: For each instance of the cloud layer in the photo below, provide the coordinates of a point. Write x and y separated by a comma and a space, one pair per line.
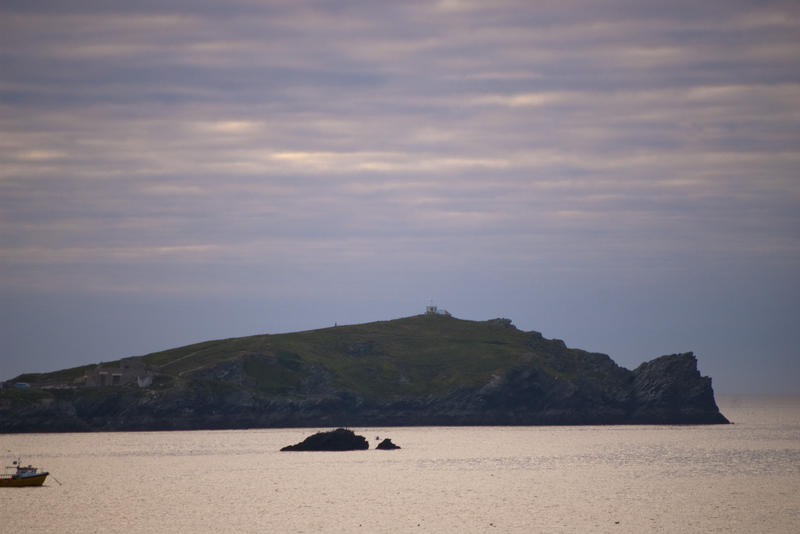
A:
286, 149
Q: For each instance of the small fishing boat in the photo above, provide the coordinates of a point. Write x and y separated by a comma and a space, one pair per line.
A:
22, 476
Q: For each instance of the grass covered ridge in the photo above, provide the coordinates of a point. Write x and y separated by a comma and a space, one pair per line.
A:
408, 357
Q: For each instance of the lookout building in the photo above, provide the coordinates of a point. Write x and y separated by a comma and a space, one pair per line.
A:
433, 310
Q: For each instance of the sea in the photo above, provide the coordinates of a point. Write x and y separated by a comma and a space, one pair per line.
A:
743, 477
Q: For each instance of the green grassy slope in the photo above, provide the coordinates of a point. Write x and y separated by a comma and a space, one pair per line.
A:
411, 356
424, 354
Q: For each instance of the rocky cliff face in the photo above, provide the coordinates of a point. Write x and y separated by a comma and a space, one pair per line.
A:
532, 381
667, 390
670, 390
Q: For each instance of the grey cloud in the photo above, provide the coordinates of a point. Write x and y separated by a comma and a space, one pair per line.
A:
266, 148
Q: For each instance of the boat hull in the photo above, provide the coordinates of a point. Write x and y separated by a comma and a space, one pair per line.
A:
35, 480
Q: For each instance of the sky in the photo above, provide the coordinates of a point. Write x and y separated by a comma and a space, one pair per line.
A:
622, 175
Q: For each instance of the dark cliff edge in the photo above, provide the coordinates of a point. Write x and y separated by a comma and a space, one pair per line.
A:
684, 397
413, 371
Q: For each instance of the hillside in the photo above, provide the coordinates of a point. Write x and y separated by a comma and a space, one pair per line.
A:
422, 370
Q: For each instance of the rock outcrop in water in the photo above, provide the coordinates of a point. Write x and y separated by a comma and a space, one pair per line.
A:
334, 440
421, 370
387, 445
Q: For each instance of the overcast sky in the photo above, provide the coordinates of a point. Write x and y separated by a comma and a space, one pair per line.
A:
623, 175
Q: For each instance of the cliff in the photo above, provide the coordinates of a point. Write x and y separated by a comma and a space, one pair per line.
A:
421, 370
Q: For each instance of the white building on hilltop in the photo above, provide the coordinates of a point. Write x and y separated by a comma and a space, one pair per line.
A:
433, 310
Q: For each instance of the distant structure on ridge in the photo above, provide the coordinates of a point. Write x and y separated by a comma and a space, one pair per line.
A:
433, 310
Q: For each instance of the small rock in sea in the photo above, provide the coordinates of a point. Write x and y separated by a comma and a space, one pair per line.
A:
335, 440
387, 445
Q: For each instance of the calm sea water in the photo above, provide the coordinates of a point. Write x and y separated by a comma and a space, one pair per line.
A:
735, 478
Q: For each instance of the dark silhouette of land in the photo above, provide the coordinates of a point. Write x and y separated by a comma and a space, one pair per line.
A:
429, 369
